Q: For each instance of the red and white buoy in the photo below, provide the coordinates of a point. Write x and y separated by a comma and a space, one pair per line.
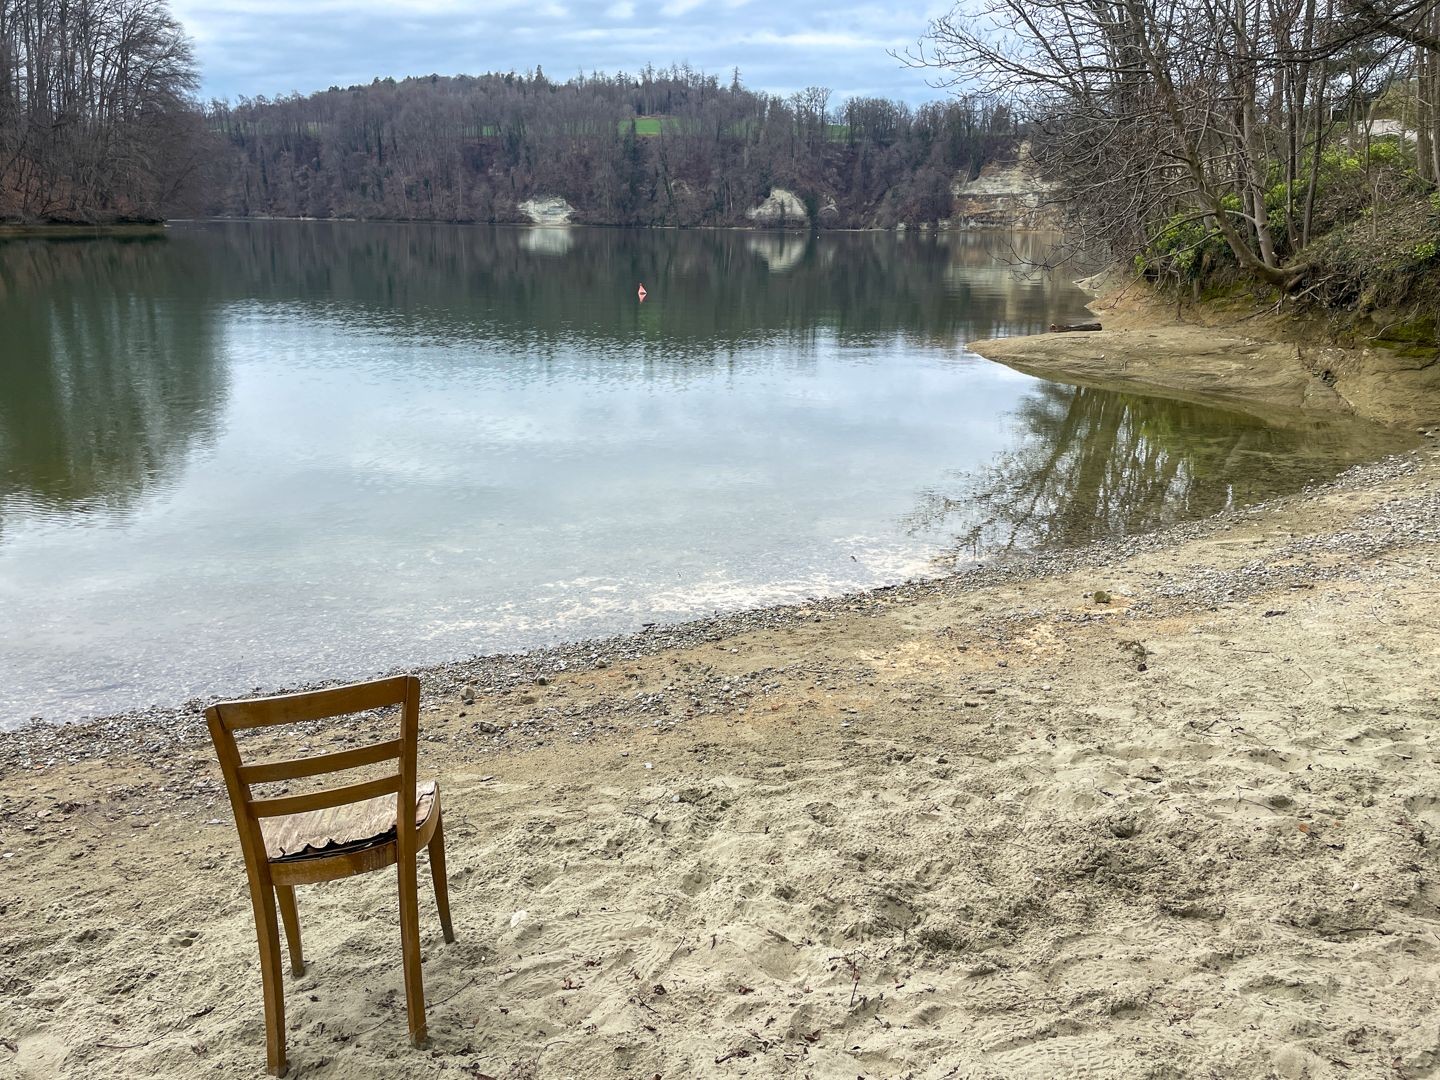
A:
640, 292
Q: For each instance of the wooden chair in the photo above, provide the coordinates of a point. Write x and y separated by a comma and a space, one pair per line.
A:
333, 833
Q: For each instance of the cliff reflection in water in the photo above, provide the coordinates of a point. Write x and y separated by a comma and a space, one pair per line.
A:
112, 369
1091, 464
109, 368
711, 292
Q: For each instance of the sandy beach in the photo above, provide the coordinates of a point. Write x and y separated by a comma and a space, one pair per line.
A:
992, 826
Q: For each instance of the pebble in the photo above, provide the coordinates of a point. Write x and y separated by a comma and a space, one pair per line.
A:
1409, 519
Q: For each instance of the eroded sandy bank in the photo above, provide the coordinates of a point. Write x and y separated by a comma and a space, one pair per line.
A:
1217, 357
983, 828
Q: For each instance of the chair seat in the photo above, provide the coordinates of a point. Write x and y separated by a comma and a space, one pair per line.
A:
337, 829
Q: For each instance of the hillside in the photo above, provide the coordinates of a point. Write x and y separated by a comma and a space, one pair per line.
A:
665, 148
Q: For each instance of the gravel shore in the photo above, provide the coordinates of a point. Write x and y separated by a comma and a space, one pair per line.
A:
156, 729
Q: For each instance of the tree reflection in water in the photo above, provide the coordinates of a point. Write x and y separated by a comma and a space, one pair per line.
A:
113, 371
110, 371
1091, 464
712, 291
111, 358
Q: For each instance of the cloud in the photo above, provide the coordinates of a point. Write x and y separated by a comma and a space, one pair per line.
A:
819, 39
275, 47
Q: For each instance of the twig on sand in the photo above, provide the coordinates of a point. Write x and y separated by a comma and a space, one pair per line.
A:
129, 1046
1254, 802
1013, 843
170, 1030
457, 993
854, 969
386, 1020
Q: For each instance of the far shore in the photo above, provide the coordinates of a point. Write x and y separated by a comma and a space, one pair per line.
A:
62, 230
925, 229
78, 230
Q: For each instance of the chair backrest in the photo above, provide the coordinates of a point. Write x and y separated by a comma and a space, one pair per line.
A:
227, 717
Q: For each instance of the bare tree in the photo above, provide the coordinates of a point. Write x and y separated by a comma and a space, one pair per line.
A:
1162, 114
96, 118
674, 147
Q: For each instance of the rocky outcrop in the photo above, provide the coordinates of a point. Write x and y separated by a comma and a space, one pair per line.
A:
547, 210
780, 208
1006, 195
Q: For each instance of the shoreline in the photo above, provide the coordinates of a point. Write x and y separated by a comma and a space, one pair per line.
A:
1269, 366
183, 721
993, 826
186, 717
923, 229
79, 230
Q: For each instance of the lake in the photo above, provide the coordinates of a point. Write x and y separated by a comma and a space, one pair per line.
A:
244, 455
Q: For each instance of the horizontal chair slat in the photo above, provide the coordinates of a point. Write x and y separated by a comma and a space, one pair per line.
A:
315, 705
323, 800
266, 772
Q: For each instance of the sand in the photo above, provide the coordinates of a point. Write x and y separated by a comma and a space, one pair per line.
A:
988, 827
1277, 367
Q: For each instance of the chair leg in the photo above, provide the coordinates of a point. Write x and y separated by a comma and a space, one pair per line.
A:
267, 930
410, 948
437, 875
291, 918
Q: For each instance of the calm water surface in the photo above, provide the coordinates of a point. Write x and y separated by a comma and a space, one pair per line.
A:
254, 454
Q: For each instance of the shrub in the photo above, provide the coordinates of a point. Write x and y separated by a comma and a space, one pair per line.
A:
1184, 247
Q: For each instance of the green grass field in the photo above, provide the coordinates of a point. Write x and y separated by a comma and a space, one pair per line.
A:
650, 125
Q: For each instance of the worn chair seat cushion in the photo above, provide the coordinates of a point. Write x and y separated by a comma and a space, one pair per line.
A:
341, 828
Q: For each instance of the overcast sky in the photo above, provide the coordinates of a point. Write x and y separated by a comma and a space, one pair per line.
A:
277, 46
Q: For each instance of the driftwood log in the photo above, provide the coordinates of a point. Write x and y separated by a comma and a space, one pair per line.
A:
1058, 328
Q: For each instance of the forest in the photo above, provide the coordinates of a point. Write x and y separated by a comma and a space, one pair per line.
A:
1294, 144
671, 147
98, 120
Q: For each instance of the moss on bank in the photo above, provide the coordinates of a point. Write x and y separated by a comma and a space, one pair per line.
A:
1371, 273
1378, 278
